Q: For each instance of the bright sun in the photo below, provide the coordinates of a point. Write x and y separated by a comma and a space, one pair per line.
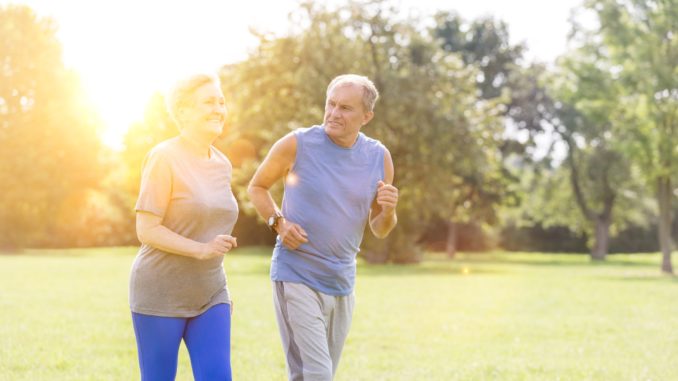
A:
126, 50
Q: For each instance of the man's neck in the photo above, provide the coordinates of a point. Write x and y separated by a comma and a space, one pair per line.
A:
347, 142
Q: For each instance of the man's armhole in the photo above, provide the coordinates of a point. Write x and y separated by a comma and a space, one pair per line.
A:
297, 148
384, 164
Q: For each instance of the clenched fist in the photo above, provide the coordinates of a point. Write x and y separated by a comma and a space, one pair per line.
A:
220, 245
291, 234
387, 197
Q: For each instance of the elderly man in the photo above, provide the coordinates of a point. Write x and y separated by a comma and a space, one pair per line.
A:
336, 179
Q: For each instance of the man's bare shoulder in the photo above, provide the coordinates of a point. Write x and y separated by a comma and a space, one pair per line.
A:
285, 147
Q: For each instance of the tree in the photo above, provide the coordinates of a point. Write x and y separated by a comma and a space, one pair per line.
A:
484, 44
49, 147
588, 117
429, 114
584, 180
641, 41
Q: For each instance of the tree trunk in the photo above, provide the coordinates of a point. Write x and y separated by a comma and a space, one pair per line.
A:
451, 246
602, 239
664, 196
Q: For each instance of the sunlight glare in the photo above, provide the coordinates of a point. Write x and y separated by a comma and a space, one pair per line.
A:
125, 51
292, 179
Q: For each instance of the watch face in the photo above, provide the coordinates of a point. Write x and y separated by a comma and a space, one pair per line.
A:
273, 220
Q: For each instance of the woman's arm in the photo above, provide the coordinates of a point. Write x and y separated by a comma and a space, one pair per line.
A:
150, 231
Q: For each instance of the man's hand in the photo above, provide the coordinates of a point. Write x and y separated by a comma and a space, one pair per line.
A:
291, 234
387, 197
220, 245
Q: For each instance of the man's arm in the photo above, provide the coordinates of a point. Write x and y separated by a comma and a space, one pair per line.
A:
275, 166
383, 216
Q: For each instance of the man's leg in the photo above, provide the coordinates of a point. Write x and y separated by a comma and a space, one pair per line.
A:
208, 340
303, 331
338, 324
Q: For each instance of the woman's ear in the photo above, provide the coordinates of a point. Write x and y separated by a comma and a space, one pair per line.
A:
181, 113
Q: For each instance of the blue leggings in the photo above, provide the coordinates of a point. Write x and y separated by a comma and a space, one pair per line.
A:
207, 337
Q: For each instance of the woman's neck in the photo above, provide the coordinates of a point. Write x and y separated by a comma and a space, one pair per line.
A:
199, 145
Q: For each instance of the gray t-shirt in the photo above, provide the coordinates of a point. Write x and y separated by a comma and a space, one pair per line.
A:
193, 196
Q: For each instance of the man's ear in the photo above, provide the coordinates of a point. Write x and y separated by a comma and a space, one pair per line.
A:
367, 117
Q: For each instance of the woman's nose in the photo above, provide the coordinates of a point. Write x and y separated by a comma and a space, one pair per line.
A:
219, 108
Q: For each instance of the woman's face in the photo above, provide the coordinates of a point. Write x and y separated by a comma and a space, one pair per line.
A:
207, 113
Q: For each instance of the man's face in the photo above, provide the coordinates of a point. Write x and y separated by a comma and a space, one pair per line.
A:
345, 114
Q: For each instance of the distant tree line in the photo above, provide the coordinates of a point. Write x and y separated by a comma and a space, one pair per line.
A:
490, 150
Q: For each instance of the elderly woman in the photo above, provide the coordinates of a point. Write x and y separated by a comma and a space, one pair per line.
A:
185, 215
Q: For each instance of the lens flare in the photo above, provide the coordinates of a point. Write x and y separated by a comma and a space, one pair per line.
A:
292, 179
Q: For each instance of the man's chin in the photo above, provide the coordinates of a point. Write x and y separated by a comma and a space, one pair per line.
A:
332, 127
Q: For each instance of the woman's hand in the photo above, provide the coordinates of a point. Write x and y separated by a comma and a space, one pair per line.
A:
220, 245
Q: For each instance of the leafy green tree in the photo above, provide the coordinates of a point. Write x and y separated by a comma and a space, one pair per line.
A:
589, 116
484, 43
429, 114
49, 147
641, 41
588, 184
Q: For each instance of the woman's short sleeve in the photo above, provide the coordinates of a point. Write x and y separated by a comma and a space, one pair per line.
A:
156, 184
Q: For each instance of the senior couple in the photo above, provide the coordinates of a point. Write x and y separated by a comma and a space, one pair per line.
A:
336, 180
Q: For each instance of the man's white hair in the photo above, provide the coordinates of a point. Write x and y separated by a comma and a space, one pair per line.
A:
370, 92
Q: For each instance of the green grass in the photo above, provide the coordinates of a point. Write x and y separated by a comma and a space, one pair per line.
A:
64, 316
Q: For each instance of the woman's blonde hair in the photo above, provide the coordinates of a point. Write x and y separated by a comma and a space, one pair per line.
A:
181, 94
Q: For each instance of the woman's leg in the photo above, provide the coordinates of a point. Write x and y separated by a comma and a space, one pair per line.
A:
158, 340
208, 339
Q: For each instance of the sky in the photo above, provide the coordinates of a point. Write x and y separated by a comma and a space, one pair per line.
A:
125, 50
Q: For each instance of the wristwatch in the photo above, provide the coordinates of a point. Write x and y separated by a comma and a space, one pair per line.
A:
274, 220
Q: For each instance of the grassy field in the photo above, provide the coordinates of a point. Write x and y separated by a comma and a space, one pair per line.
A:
64, 316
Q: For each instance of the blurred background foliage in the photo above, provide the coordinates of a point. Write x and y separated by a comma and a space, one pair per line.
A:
491, 150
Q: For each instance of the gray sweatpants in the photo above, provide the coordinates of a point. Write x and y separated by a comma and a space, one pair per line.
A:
313, 327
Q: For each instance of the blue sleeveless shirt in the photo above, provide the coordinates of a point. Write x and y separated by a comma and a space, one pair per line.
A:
328, 192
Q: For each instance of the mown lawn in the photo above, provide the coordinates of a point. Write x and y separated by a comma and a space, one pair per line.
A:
498, 316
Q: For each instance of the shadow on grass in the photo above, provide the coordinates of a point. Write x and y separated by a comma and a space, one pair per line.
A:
658, 278
433, 263
372, 270
254, 270
560, 263
74, 252
258, 251
548, 260
456, 269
